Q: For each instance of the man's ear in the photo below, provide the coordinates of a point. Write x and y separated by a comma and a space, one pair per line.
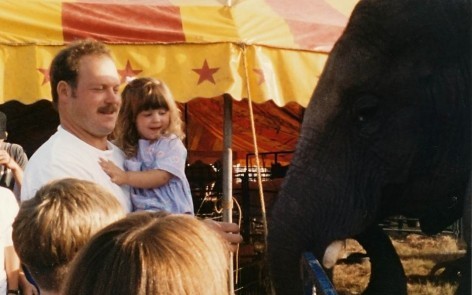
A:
63, 89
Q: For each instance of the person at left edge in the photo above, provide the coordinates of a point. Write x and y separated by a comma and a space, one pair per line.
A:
13, 160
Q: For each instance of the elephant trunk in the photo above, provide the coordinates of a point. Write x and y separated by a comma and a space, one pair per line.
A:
387, 274
292, 231
284, 263
312, 211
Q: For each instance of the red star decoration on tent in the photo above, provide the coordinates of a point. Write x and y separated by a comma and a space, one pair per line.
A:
206, 73
45, 73
260, 73
128, 72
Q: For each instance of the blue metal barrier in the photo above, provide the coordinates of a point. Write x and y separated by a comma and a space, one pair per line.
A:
315, 280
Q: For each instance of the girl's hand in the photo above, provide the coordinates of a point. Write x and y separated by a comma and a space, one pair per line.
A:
117, 175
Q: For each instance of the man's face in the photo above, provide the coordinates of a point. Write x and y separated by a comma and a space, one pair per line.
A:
92, 108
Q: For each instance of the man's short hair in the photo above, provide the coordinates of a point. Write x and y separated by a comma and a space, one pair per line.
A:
65, 65
51, 227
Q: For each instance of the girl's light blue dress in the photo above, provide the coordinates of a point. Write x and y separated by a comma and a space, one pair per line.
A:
169, 154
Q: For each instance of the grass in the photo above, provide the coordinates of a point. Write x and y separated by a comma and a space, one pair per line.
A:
418, 254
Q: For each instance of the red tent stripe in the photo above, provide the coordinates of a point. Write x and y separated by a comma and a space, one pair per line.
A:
122, 23
322, 29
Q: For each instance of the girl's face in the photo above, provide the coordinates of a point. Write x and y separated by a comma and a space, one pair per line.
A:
151, 124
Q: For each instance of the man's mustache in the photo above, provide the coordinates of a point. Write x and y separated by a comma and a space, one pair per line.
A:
108, 109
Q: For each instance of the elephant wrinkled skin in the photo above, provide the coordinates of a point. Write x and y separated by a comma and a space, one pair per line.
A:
387, 132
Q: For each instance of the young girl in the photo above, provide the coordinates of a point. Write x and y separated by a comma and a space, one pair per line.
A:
150, 132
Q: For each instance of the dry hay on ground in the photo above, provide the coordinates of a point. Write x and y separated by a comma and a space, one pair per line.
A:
418, 254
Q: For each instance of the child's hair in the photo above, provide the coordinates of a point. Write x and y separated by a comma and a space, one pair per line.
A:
152, 253
139, 95
60, 219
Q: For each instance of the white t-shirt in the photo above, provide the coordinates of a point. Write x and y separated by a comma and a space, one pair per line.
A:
65, 155
8, 212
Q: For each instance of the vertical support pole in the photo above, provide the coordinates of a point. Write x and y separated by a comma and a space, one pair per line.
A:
228, 174
246, 207
186, 125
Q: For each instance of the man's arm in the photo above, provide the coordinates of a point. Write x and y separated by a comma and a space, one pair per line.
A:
10, 163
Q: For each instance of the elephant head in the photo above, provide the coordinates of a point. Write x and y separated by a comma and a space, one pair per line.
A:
387, 132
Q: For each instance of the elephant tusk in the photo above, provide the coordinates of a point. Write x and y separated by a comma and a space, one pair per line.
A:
332, 253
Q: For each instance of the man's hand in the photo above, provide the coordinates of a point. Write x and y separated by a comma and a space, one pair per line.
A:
7, 160
228, 231
10, 163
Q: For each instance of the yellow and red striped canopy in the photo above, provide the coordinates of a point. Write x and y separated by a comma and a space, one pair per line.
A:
265, 49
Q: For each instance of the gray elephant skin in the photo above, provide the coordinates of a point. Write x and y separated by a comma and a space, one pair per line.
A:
387, 132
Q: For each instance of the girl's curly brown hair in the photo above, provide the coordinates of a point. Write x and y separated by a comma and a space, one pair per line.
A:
139, 95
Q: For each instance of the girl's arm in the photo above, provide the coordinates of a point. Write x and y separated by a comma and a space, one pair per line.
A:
139, 179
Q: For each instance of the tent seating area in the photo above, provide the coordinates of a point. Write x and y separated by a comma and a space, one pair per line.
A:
206, 185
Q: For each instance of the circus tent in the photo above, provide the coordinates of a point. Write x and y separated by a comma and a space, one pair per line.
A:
269, 51
266, 49
218, 58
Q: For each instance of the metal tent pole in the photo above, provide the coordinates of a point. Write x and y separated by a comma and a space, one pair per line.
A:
228, 174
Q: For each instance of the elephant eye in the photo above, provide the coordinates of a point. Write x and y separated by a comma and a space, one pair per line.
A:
365, 111
365, 108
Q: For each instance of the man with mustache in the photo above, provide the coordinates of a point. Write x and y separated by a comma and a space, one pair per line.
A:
85, 91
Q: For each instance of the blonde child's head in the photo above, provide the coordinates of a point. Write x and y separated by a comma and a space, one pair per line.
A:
51, 227
143, 94
152, 253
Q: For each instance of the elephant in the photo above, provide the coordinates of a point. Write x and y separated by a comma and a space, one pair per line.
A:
387, 132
